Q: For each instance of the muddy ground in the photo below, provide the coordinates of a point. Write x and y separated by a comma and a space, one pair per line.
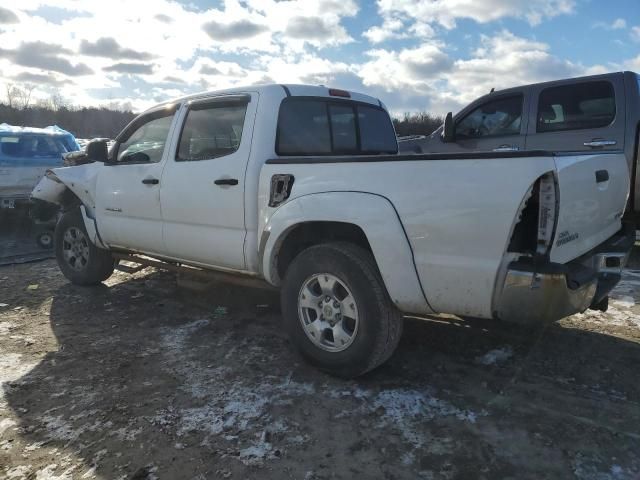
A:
140, 379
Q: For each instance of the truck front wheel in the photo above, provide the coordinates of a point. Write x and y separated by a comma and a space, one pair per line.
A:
337, 310
80, 260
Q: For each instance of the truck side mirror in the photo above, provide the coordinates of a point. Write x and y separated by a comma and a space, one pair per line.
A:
448, 135
97, 151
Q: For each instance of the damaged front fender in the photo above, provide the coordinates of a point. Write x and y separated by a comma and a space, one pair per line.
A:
80, 180
65, 186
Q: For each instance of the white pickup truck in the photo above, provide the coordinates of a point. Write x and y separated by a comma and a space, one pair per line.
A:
301, 186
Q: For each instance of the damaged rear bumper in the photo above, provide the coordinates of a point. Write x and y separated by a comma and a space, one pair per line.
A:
535, 293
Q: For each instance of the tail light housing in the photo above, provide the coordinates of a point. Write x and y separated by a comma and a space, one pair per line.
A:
534, 231
547, 213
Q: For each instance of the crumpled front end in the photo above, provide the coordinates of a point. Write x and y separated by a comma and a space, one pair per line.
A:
79, 180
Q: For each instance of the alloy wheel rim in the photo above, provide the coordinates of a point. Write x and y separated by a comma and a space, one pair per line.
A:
75, 248
328, 312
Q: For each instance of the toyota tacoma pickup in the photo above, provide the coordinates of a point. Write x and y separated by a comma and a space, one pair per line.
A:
302, 187
598, 113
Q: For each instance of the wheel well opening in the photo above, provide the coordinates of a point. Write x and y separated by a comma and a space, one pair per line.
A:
308, 234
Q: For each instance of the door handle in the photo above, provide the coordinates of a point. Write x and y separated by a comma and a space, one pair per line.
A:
602, 176
150, 181
226, 181
599, 143
506, 148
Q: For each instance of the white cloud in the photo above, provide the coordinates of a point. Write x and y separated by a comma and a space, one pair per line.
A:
404, 17
635, 33
428, 70
633, 64
99, 45
619, 24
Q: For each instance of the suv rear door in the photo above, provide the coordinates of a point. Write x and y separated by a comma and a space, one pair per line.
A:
578, 115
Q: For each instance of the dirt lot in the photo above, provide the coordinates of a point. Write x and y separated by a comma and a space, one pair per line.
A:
140, 379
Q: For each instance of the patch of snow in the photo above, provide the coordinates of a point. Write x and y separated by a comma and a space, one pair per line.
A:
12, 367
407, 410
258, 452
47, 473
21, 471
623, 301
6, 327
496, 356
126, 434
5, 424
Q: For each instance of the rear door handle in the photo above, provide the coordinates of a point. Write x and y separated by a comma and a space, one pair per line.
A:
150, 181
599, 143
226, 181
602, 176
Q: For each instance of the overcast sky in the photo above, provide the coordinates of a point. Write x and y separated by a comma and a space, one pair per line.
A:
432, 55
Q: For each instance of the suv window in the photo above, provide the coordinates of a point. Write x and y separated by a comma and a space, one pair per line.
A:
145, 140
211, 130
576, 106
315, 126
499, 117
35, 146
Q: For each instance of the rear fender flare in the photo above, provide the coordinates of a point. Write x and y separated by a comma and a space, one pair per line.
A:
375, 216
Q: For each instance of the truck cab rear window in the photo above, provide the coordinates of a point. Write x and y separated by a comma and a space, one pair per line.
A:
313, 126
576, 107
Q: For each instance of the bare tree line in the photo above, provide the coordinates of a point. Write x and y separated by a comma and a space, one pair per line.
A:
422, 123
20, 108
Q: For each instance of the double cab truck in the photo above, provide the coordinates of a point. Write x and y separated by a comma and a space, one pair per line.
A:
302, 187
599, 113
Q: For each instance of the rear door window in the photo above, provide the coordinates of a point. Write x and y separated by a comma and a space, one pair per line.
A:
211, 131
576, 107
314, 126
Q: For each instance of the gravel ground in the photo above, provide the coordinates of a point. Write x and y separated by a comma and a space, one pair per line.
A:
140, 379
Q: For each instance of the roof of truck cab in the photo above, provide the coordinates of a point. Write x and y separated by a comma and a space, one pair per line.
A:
293, 90
549, 83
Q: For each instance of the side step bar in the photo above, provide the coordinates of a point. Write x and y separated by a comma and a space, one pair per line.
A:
207, 275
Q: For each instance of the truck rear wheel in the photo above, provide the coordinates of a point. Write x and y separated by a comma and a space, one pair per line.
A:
337, 310
80, 260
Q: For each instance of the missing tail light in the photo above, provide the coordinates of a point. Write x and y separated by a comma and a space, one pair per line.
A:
533, 233
547, 213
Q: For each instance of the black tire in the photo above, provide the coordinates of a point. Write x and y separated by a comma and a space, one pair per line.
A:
95, 266
379, 323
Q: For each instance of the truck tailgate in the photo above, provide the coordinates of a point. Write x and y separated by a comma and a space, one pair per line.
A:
593, 191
